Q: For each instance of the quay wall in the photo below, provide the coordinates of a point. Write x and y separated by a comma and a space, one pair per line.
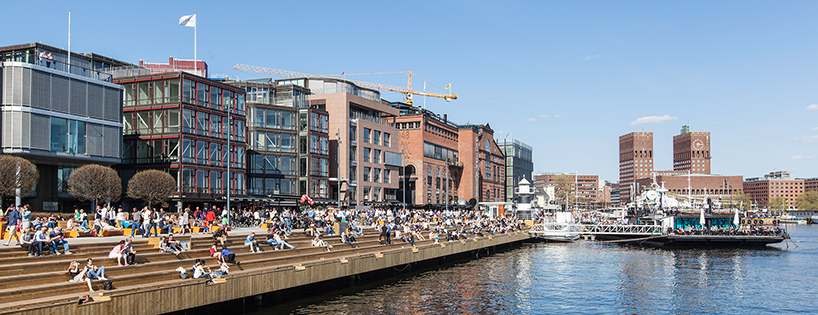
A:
196, 293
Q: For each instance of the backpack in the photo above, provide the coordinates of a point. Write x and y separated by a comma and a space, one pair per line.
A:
108, 285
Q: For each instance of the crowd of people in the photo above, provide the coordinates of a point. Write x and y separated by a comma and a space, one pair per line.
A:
730, 231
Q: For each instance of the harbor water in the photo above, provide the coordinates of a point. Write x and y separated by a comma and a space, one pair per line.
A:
594, 278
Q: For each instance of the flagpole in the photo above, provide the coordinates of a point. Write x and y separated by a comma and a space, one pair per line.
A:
69, 43
195, 57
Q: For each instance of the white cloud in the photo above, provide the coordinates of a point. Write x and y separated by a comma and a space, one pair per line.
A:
556, 116
530, 119
808, 139
814, 129
812, 107
799, 157
652, 120
543, 116
591, 57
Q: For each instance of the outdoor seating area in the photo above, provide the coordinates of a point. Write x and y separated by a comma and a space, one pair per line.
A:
30, 282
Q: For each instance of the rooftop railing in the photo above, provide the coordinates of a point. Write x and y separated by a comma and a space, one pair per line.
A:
19, 56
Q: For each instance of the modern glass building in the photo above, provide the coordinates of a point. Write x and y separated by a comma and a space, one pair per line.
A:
282, 137
179, 122
519, 165
58, 116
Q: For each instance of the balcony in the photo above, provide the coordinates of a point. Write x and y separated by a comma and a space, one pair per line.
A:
18, 56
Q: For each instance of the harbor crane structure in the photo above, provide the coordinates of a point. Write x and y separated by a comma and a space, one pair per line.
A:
408, 92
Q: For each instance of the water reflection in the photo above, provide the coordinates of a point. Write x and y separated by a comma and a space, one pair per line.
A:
593, 278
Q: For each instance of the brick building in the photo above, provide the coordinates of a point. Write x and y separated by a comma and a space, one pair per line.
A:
635, 162
429, 145
810, 184
483, 164
584, 187
775, 184
698, 186
363, 144
691, 151
197, 67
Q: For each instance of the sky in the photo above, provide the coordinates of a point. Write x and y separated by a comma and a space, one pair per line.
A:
566, 77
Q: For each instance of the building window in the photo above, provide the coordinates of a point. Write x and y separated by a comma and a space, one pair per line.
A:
376, 175
353, 173
366, 173
376, 138
367, 131
376, 157
67, 135
353, 133
353, 153
386, 174
367, 189
386, 139
367, 152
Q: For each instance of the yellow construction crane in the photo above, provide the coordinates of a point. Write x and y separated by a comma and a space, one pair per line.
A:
407, 91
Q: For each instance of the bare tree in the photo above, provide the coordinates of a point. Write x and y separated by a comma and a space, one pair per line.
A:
18, 176
95, 182
564, 188
152, 187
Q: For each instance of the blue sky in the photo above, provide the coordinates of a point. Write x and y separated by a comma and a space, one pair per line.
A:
566, 77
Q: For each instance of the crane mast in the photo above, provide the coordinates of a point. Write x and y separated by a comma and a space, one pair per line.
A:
406, 91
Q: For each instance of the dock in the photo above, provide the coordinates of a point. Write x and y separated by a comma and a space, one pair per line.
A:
39, 285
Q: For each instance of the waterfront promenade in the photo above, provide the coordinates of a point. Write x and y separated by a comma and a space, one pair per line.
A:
38, 285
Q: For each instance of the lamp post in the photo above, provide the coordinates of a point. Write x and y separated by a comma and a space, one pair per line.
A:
338, 164
229, 151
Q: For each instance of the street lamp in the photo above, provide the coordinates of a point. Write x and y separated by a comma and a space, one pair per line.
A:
338, 164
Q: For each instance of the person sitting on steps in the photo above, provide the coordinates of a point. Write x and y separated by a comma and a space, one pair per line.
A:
94, 272
78, 274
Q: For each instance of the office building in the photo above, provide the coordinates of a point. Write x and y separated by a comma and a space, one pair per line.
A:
519, 165
363, 145
179, 123
58, 116
775, 184
635, 162
273, 132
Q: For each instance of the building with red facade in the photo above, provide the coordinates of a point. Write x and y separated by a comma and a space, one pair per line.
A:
429, 145
698, 186
586, 188
776, 184
197, 67
691, 151
483, 164
182, 123
635, 162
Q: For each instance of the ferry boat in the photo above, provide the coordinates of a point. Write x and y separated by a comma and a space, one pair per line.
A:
691, 223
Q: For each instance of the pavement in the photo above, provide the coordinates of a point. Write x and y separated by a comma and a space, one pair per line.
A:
137, 238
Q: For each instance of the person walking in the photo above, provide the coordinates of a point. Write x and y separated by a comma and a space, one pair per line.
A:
14, 226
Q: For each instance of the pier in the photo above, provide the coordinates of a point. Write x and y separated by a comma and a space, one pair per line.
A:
38, 285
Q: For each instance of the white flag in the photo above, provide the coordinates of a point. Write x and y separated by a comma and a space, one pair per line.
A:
188, 20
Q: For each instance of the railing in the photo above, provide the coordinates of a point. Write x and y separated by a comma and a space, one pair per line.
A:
589, 229
57, 65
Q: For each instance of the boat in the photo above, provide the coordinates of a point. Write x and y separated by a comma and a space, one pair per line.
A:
697, 224
556, 232
557, 227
